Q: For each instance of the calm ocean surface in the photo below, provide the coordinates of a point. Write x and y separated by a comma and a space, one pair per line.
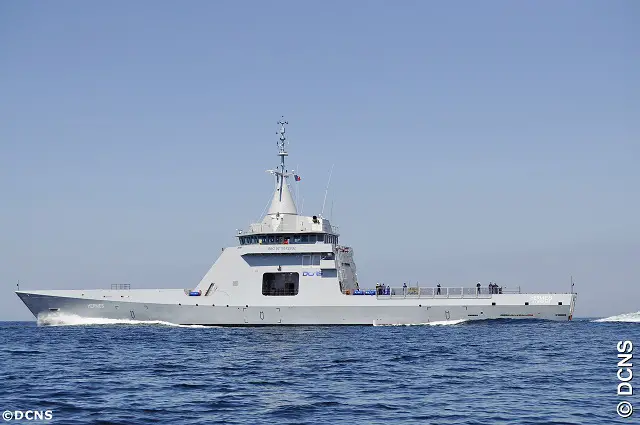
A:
491, 372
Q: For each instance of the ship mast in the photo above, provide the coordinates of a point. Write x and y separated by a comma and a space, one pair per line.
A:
282, 202
282, 153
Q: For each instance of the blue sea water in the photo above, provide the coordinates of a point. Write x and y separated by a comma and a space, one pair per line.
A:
487, 372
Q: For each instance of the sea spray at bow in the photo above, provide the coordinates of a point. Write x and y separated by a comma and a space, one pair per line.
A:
61, 319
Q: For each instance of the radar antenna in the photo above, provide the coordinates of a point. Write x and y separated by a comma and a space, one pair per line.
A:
282, 142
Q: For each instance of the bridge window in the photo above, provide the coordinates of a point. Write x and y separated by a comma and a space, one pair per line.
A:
315, 259
280, 284
306, 260
288, 239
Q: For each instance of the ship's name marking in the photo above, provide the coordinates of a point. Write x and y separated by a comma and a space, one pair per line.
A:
282, 248
96, 306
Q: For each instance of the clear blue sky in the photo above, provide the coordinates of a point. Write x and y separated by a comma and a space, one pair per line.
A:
493, 140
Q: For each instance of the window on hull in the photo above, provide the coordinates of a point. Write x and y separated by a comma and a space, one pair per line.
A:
280, 284
327, 256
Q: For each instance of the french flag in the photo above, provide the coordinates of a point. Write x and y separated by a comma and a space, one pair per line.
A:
297, 177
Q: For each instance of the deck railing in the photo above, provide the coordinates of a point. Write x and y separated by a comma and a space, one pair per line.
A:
120, 286
303, 227
434, 292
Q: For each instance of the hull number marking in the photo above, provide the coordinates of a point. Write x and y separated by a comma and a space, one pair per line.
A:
541, 299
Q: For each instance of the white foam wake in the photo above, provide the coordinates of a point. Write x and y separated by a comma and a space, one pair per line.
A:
61, 319
435, 323
626, 317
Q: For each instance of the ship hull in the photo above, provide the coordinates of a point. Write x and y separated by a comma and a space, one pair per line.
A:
374, 312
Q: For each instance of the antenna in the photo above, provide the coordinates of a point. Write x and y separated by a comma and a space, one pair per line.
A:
297, 170
281, 152
282, 140
327, 190
264, 210
572, 284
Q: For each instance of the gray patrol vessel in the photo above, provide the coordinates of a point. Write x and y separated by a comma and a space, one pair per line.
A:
290, 269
